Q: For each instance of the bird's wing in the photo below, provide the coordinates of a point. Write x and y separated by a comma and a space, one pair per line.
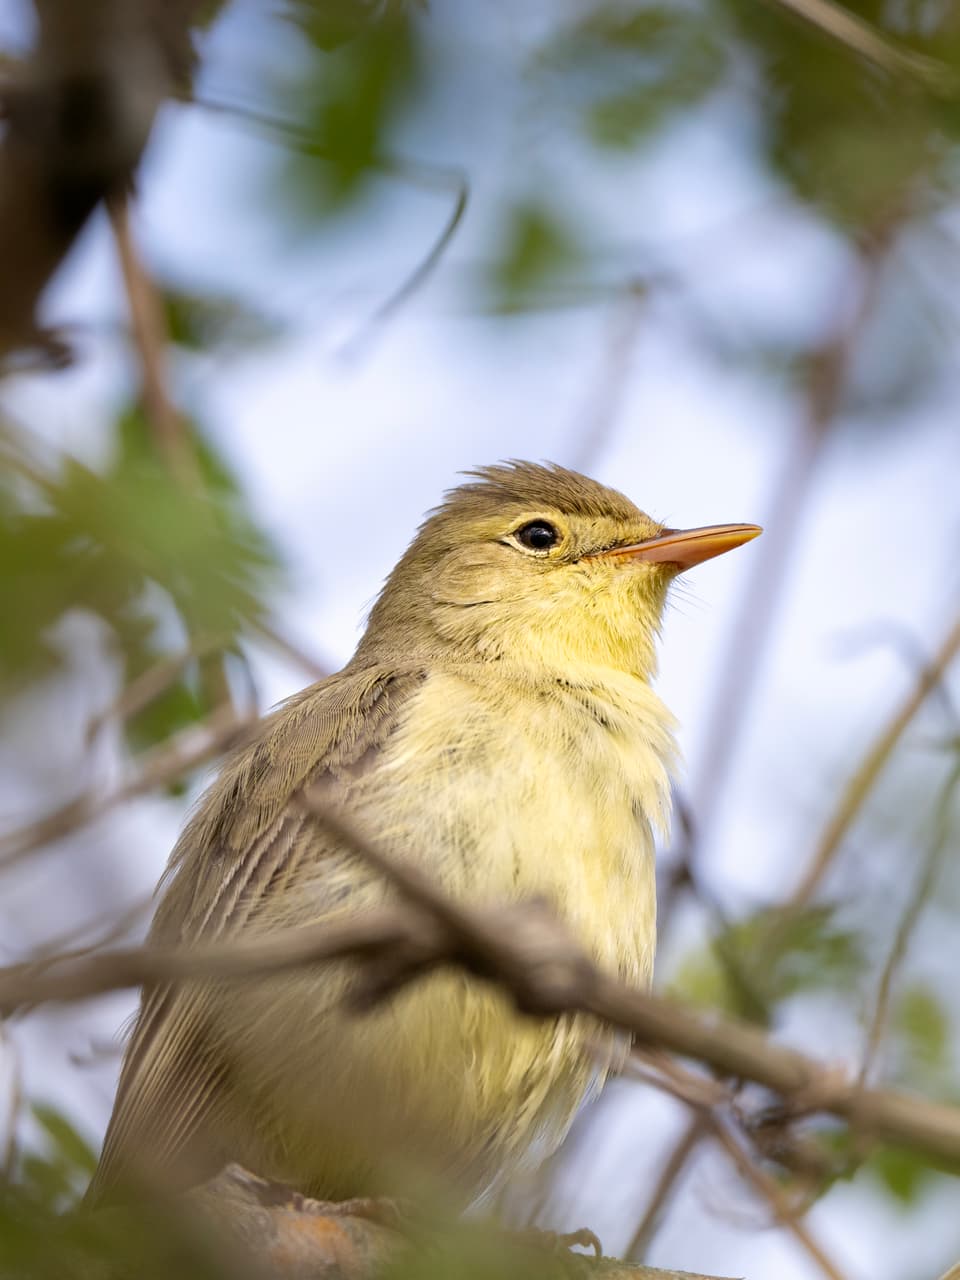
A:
245, 836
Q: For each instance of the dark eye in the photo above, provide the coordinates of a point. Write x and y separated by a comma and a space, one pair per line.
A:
538, 535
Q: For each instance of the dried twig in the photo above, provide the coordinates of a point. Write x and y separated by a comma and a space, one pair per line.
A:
673, 1169
416, 172
929, 874
867, 773
771, 1191
299, 656
753, 624
866, 41
656, 1068
526, 950
180, 755
149, 685
603, 404
460, 188
151, 337
8, 1157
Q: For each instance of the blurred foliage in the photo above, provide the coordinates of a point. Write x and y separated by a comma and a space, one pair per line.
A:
42, 1238
347, 106
160, 563
751, 966
204, 322
627, 69
863, 145
534, 250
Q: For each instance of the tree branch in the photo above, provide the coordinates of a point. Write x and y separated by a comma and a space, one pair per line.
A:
524, 948
78, 116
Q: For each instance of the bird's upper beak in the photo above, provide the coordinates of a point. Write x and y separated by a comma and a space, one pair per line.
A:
687, 547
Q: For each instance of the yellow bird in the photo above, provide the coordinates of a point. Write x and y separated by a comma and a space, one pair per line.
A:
498, 727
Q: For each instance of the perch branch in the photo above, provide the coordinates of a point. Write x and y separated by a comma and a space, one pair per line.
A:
527, 951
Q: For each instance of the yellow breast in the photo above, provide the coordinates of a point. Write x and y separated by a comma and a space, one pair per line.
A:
555, 786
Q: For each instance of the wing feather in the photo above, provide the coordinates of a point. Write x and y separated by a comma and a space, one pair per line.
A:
244, 841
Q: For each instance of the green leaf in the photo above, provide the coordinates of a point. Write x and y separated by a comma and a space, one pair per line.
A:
535, 248
66, 1144
753, 964
199, 322
923, 1026
859, 142
137, 548
904, 1175
629, 69
345, 110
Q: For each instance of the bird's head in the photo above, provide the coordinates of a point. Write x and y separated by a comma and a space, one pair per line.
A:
538, 565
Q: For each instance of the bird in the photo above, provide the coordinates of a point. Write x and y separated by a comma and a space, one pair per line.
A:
497, 727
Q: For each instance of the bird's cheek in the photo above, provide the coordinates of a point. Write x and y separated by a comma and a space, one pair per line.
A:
467, 578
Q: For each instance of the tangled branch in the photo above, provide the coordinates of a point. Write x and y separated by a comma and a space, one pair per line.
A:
526, 950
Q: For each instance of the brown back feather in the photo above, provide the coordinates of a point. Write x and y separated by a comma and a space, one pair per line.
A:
244, 835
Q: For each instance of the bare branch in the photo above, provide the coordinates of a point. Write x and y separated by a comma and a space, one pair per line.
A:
151, 337
78, 114
753, 625
867, 773
281, 1232
292, 651
929, 874
149, 685
863, 39
177, 757
524, 948
771, 1191
673, 1169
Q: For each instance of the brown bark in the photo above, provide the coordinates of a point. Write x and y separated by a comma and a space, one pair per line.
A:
78, 115
280, 1235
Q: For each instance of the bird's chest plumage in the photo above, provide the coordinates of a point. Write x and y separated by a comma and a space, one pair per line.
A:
499, 788
554, 788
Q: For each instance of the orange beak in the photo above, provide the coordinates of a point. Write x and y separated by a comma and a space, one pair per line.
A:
687, 547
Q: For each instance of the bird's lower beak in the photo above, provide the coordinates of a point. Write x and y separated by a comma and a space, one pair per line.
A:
687, 547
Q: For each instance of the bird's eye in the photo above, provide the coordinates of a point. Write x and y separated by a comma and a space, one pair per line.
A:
538, 535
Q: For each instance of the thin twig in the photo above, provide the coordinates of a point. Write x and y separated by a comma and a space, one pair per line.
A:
355, 344
750, 633
416, 172
673, 1169
524, 948
867, 773
149, 685
223, 729
8, 1163
771, 1191
607, 394
866, 41
151, 337
653, 1066
299, 656
149, 966
892, 634
927, 879
106, 931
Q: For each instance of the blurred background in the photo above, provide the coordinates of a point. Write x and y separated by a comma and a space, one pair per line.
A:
706, 252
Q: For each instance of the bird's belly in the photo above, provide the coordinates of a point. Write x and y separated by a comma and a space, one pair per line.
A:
447, 1081
446, 1088
546, 799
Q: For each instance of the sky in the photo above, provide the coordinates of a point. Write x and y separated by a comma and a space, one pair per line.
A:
343, 453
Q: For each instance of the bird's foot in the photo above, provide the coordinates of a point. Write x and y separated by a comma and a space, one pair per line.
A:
560, 1242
